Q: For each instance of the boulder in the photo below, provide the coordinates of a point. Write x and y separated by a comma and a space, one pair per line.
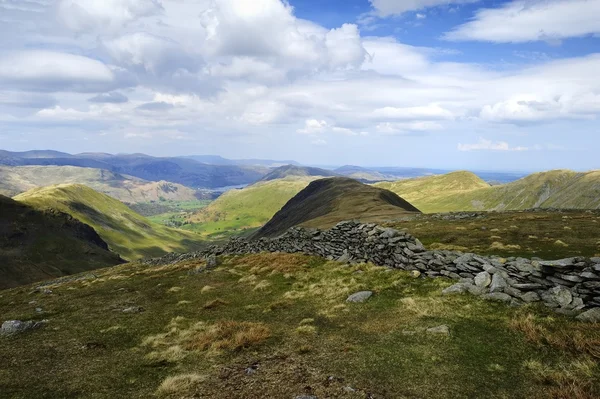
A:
498, 283
360, 297
590, 316
11, 327
455, 289
483, 279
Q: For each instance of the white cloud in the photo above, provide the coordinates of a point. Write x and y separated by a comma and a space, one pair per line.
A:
429, 112
53, 71
314, 126
489, 145
110, 15
415, 127
319, 142
525, 21
386, 8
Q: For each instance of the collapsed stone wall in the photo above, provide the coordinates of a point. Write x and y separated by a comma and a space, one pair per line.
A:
568, 285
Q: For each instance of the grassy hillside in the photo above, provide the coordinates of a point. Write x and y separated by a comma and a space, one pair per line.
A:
326, 202
279, 326
37, 245
17, 180
296, 171
248, 208
127, 233
554, 189
426, 193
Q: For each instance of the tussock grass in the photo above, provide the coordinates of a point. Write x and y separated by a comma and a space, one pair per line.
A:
179, 385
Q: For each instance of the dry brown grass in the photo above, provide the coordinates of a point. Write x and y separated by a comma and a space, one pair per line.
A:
567, 381
229, 335
215, 303
277, 262
579, 338
178, 385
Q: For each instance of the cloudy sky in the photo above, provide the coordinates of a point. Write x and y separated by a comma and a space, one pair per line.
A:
475, 84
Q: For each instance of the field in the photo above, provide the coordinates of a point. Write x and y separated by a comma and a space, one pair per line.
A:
279, 326
544, 234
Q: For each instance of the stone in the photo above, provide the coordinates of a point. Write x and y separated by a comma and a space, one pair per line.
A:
559, 264
134, 309
415, 273
345, 258
558, 295
483, 279
530, 296
590, 276
455, 289
212, 261
498, 283
360, 297
528, 286
441, 330
498, 296
11, 327
590, 316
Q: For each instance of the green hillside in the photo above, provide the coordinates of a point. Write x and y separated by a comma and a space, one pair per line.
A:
279, 326
37, 245
248, 208
287, 171
19, 179
426, 193
562, 189
127, 233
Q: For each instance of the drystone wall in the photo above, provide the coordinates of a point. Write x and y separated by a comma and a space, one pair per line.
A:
571, 285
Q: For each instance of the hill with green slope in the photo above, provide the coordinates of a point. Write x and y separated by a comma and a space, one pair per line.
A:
561, 189
326, 202
248, 208
427, 192
296, 171
37, 245
19, 179
127, 233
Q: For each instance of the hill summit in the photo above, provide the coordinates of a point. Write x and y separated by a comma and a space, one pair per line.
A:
325, 202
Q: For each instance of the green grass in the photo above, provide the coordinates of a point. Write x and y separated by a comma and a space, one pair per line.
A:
285, 316
238, 211
512, 233
127, 233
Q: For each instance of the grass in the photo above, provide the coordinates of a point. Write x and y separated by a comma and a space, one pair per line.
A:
126, 232
512, 233
296, 336
240, 211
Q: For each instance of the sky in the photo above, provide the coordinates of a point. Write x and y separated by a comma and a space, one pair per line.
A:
454, 84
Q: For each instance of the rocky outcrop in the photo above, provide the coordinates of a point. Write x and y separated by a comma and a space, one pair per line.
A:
568, 285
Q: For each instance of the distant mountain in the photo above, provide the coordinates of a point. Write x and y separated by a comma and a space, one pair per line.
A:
428, 192
296, 171
37, 245
364, 175
219, 160
328, 201
563, 189
183, 171
250, 207
18, 179
127, 233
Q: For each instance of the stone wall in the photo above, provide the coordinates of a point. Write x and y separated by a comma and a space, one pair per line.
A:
568, 285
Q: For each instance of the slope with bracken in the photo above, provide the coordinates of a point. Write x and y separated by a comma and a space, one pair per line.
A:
15, 180
37, 245
427, 192
562, 189
127, 233
328, 201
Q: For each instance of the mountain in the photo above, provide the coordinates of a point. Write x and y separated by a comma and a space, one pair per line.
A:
18, 179
37, 245
187, 172
328, 201
219, 160
249, 207
363, 174
562, 189
428, 192
127, 233
296, 171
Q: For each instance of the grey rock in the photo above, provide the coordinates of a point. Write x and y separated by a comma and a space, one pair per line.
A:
455, 289
498, 283
498, 296
12, 327
212, 261
530, 296
345, 258
134, 309
590, 316
559, 296
360, 297
441, 330
483, 279
559, 264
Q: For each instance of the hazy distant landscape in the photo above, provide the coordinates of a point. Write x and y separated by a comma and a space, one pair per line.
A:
299, 199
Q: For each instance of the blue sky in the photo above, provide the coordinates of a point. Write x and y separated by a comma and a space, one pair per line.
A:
455, 84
